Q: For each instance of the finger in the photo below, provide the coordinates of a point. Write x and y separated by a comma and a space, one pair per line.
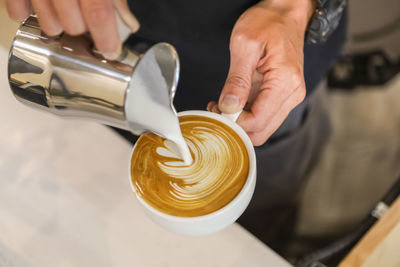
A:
126, 15
18, 10
47, 17
244, 58
260, 137
70, 16
100, 20
210, 105
265, 106
277, 87
213, 107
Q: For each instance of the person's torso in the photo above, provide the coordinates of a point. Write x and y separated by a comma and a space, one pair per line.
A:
200, 31
188, 21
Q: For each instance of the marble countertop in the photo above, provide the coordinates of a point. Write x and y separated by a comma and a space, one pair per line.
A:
65, 200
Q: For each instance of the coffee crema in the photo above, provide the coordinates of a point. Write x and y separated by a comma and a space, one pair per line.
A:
219, 170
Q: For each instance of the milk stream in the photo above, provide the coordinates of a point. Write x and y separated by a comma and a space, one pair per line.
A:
149, 107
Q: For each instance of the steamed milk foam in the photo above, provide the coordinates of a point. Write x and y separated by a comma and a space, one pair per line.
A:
219, 170
150, 106
189, 169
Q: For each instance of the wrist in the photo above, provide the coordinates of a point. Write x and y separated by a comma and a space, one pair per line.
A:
301, 11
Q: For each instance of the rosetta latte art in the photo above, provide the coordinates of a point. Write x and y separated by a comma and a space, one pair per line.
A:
218, 172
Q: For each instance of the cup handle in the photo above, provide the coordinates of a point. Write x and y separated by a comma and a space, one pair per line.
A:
232, 116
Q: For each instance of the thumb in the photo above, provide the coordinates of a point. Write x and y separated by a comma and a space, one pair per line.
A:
237, 86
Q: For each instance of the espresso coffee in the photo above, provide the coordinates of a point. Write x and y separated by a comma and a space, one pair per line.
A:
219, 170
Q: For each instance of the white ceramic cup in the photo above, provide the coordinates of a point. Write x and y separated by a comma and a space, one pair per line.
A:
217, 220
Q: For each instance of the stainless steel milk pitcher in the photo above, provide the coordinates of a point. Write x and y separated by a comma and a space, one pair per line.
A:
65, 75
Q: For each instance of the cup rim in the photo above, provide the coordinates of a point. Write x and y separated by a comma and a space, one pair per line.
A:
247, 186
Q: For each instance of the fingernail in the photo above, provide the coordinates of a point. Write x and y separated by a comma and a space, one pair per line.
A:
133, 23
55, 30
230, 104
112, 55
123, 12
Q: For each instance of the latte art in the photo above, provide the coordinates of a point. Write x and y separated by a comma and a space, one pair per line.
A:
218, 172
